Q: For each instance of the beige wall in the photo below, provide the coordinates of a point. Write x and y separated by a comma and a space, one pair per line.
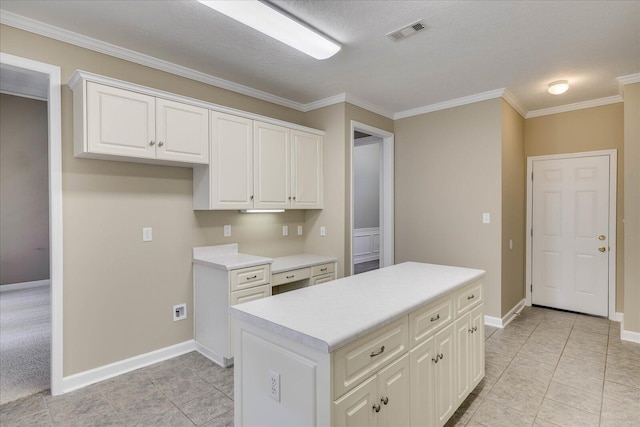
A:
448, 173
118, 291
590, 129
513, 208
24, 191
632, 207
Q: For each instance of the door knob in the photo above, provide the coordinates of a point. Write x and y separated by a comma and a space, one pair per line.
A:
602, 249
602, 237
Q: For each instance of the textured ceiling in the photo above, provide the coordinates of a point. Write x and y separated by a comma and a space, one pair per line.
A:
469, 47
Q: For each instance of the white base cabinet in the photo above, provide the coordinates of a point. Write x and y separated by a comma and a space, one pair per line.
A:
414, 371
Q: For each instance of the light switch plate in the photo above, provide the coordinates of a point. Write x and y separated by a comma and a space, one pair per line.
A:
486, 218
285, 230
147, 234
323, 231
299, 230
227, 231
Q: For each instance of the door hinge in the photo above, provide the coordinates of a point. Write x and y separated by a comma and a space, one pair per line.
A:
531, 176
531, 287
532, 232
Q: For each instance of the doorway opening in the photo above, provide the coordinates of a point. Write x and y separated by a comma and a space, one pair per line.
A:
571, 232
25, 79
372, 201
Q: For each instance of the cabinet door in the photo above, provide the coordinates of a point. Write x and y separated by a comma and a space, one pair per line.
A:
120, 122
271, 166
239, 297
423, 364
182, 132
444, 374
394, 389
318, 280
231, 162
463, 341
306, 170
476, 358
356, 408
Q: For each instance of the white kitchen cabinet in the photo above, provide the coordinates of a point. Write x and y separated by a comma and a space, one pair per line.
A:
381, 400
306, 170
227, 182
272, 166
121, 124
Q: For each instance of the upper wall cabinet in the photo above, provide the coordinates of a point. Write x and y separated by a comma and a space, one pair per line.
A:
120, 124
258, 165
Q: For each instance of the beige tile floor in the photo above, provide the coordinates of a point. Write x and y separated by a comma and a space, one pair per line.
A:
546, 368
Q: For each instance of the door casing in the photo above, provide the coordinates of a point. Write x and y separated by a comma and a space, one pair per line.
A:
613, 174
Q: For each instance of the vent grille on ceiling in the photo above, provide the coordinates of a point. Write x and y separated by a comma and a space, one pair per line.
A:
407, 31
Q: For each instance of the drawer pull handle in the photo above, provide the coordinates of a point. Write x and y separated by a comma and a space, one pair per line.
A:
323, 269
472, 296
377, 353
255, 276
385, 400
433, 319
376, 407
291, 277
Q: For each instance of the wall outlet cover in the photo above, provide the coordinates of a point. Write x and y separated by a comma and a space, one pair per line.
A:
227, 231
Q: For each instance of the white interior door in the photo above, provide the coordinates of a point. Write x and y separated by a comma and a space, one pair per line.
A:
570, 244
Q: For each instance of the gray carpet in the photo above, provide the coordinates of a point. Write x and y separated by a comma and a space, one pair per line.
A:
25, 342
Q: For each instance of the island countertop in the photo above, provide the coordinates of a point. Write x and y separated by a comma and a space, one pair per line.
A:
331, 315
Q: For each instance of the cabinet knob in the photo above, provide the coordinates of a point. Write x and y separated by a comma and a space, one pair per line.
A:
376, 407
160, 144
602, 237
252, 197
152, 143
289, 197
294, 197
385, 400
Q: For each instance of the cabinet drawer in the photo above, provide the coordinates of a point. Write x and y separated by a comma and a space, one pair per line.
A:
290, 276
363, 357
322, 269
468, 297
246, 295
249, 277
426, 320
324, 278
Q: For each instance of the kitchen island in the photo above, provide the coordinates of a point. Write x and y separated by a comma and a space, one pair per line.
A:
401, 345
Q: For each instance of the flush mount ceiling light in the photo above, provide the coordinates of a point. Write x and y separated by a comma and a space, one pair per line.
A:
558, 87
273, 23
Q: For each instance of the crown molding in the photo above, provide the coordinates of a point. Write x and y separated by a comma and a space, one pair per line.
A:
492, 94
576, 106
629, 79
358, 102
37, 27
513, 101
321, 103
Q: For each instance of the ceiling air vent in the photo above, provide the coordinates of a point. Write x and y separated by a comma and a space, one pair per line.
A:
406, 31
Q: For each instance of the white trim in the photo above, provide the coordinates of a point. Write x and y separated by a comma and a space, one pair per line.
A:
630, 336
387, 198
55, 206
507, 318
576, 106
616, 317
213, 356
354, 100
24, 285
92, 376
513, 101
629, 79
326, 102
23, 95
613, 176
492, 94
79, 76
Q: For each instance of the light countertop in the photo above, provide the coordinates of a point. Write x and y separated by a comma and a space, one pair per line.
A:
293, 262
332, 315
226, 257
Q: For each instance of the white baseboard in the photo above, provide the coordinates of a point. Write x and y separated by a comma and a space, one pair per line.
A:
92, 376
360, 260
25, 285
497, 322
616, 317
213, 356
630, 336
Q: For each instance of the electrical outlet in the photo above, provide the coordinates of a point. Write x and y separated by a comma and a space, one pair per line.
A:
227, 231
285, 230
323, 231
273, 386
486, 218
299, 230
179, 312
147, 234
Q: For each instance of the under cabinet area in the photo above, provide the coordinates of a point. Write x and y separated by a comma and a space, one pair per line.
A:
120, 124
258, 165
298, 271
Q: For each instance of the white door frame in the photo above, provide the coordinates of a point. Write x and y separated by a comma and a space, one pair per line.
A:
54, 108
613, 174
386, 193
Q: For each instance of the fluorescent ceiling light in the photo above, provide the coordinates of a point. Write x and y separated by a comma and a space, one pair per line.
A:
262, 210
558, 87
273, 23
